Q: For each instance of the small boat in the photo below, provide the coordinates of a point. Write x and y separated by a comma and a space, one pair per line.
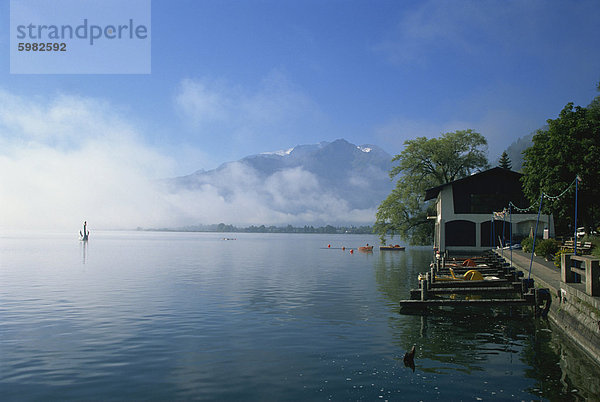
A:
366, 248
396, 247
471, 275
469, 263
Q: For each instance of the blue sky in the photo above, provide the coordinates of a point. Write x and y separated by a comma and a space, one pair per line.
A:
233, 78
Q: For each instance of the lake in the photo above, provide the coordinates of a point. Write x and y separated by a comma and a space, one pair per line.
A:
163, 316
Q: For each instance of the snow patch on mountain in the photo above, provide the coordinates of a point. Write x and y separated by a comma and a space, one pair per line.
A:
282, 152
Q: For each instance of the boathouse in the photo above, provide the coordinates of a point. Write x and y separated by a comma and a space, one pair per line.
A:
465, 209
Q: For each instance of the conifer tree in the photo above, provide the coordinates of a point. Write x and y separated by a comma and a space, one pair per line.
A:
504, 161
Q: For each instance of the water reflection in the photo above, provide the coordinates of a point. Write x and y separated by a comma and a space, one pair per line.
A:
560, 369
268, 317
489, 342
396, 272
83, 246
466, 342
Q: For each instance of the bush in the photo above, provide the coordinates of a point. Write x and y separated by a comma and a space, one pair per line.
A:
557, 257
543, 248
546, 247
526, 244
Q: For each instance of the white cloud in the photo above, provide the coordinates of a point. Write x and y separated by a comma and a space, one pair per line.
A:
289, 188
68, 159
203, 102
275, 112
239, 195
275, 103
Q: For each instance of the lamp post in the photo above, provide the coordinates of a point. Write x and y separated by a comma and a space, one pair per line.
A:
577, 179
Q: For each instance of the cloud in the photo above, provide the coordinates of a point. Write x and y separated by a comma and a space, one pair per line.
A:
203, 102
69, 158
238, 194
241, 118
275, 101
500, 126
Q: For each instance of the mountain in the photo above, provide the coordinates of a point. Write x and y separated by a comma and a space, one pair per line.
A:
330, 182
515, 150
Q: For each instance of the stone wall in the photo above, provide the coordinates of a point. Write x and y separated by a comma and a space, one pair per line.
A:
573, 311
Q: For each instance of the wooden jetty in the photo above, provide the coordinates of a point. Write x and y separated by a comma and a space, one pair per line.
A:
467, 302
502, 286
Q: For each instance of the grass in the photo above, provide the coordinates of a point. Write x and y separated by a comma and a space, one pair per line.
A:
595, 243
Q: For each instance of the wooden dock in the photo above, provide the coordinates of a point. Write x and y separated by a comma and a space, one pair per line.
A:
415, 294
464, 302
495, 292
469, 284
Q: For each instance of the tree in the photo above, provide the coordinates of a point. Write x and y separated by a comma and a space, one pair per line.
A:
426, 163
504, 161
569, 147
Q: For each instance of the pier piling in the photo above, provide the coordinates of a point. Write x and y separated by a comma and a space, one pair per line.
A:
424, 288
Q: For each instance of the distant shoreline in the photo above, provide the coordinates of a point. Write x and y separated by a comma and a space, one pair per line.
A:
223, 228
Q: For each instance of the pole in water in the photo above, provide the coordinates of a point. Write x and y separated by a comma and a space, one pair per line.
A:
86, 233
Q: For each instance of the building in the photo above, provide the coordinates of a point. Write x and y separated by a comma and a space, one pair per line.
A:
465, 209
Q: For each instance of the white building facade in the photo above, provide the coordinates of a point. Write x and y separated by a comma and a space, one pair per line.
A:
465, 209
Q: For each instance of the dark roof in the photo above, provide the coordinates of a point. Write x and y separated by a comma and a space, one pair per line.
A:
433, 192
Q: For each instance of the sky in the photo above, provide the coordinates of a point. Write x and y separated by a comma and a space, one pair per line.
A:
234, 78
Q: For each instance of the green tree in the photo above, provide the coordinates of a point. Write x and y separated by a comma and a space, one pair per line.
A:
504, 161
426, 163
570, 146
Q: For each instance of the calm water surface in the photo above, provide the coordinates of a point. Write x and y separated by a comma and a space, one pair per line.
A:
162, 316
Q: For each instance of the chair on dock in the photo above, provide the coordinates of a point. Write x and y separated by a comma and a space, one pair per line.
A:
582, 247
586, 248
